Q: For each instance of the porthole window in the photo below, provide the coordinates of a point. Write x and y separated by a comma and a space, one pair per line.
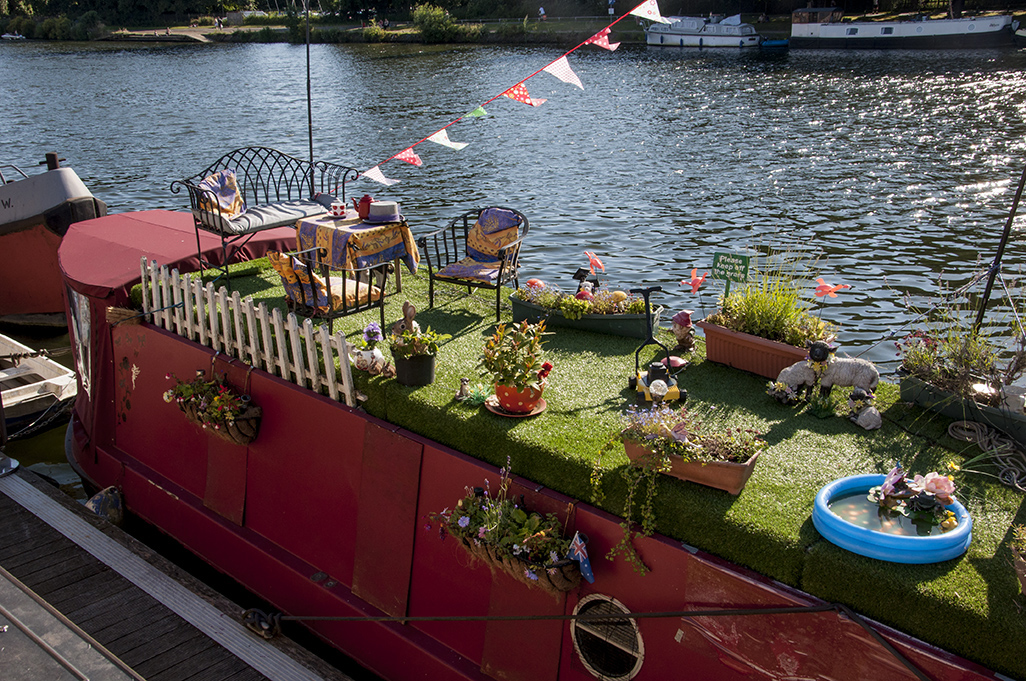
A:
609, 648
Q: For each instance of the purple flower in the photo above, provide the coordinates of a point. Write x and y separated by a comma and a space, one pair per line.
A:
481, 532
463, 521
530, 574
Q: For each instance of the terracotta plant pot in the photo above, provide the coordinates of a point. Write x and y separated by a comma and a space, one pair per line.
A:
725, 475
515, 401
416, 370
743, 351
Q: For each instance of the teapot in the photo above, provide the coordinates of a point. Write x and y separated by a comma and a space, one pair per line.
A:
362, 206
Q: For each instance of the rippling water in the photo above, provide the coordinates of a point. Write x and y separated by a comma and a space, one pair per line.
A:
898, 166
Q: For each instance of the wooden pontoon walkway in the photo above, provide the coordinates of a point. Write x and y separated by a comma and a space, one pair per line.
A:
80, 599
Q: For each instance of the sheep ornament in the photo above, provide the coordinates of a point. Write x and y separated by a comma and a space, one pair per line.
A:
798, 380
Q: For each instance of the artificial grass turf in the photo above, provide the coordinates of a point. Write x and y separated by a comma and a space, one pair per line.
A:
967, 605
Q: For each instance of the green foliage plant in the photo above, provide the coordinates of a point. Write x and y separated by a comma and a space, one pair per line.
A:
773, 304
603, 301
949, 352
436, 25
414, 342
667, 434
492, 518
514, 356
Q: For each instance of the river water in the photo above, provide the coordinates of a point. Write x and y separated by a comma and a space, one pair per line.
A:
899, 167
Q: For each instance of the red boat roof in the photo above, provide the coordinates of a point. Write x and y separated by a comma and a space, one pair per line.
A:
101, 256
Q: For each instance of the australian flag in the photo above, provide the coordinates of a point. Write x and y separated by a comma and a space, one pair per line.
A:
579, 552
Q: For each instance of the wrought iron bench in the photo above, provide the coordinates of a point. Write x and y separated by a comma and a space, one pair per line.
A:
253, 189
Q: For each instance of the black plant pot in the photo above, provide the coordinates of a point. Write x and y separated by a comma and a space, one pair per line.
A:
415, 370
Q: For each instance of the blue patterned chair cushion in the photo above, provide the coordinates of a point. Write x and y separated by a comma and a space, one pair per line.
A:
469, 268
224, 185
495, 229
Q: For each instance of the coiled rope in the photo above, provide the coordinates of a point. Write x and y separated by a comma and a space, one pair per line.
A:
1000, 449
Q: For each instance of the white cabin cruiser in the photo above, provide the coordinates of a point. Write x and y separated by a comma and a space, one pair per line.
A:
33, 387
701, 32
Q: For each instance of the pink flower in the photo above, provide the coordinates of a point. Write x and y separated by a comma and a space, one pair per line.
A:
939, 485
895, 476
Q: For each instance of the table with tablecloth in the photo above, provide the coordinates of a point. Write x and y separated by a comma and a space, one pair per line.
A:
353, 244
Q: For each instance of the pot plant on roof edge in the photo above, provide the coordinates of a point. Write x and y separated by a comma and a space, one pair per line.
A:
414, 351
661, 439
515, 359
951, 367
764, 325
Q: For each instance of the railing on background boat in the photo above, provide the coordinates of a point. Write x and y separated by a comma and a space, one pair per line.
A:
306, 355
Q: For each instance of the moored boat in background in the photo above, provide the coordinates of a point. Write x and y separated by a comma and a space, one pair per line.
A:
34, 387
825, 27
701, 32
35, 213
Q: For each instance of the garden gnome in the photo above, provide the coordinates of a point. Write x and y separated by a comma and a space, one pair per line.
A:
683, 330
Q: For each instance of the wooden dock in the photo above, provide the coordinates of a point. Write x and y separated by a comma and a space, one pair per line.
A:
80, 599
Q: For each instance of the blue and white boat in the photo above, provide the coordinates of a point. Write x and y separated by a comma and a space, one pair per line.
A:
701, 32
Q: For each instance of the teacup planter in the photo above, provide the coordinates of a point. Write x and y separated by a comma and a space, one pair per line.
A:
861, 531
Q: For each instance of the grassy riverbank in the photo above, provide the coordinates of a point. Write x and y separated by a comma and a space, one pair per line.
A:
968, 605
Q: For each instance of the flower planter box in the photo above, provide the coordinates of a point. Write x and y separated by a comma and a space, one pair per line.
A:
629, 325
725, 475
743, 351
947, 404
557, 578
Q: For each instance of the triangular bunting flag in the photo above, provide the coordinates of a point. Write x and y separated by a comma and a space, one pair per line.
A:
442, 137
519, 93
476, 113
650, 10
561, 69
602, 40
376, 175
410, 156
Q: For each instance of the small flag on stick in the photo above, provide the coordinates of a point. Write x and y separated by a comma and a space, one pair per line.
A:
579, 552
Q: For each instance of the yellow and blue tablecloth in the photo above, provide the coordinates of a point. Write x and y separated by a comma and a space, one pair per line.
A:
354, 244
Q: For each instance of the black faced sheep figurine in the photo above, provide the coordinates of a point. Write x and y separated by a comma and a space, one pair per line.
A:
847, 371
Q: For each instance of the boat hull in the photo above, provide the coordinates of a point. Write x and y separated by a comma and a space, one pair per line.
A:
329, 521
35, 213
980, 32
690, 40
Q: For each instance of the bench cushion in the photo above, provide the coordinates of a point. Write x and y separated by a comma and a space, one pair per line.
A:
265, 216
295, 279
225, 189
495, 229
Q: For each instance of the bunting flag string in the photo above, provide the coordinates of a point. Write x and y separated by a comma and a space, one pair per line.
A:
602, 40
442, 137
559, 67
649, 10
410, 156
519, 93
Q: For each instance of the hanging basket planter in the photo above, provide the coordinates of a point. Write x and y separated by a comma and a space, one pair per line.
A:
555, 578
242, 431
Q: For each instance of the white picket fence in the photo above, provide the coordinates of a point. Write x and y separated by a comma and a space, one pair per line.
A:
306, 355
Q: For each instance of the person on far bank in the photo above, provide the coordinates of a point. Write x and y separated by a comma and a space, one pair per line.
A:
541, 13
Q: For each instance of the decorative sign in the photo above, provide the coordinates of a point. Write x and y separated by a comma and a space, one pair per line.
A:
730, 266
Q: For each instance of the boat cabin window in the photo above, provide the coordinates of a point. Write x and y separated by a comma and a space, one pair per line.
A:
79, 329
887, 30
851, 31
